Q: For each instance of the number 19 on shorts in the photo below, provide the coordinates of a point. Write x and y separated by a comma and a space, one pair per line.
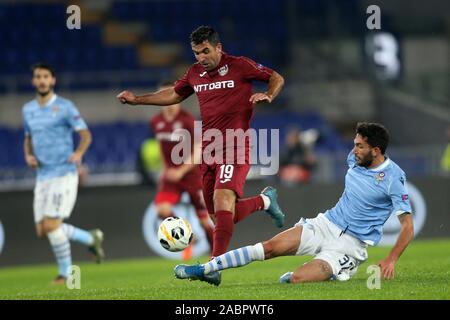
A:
226, 172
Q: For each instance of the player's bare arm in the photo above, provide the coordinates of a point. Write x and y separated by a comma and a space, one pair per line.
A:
406, 235
164, 97
276, 82
30, 159
85, 141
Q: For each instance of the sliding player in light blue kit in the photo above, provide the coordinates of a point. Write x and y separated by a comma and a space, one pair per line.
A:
49, 122
374, 188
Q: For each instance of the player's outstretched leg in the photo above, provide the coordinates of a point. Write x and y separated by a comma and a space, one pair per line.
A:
92, 239
273, 208
232, 259
283, 244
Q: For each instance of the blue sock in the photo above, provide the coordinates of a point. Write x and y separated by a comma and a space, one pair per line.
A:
235, 258
77, 234
61, 249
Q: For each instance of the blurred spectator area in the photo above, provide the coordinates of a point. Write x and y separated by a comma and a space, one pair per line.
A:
115, 146
150, 39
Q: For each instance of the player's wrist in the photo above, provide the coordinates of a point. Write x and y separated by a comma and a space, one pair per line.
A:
135, 101
392, 258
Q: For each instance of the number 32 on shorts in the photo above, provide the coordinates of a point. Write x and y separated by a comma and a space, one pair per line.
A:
226, 172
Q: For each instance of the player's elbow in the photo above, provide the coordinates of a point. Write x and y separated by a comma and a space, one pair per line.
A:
281, 80
278, 78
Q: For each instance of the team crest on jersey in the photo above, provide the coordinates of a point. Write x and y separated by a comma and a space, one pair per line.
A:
159, 125
224, 70
380, 177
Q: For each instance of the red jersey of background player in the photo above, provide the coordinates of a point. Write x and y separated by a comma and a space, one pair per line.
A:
164, 133
169, 192
223, 93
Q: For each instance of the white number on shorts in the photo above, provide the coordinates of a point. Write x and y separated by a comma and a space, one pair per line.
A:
226, 172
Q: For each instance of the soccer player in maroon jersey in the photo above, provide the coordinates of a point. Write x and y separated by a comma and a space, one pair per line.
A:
185, 177
223, 85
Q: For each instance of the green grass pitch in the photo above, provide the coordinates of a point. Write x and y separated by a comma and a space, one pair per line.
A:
423, 272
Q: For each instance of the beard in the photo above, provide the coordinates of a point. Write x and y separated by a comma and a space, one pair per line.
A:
46, 92
366, 161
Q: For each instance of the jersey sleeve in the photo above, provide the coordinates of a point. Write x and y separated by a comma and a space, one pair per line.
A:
74, 118
183, 87
26, 127
399, 195
254, 71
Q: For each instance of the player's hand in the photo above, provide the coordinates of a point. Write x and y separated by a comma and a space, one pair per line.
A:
387, 268
174, 174
76, 158
260, 97
127, 97
31, 161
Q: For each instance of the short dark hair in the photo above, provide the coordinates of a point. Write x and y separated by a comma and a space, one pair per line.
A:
205, 33
43, 65
377, 135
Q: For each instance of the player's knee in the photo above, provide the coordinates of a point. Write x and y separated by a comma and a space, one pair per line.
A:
297, 278
224, 200
205, 222
164, 211
48, 226
40, 233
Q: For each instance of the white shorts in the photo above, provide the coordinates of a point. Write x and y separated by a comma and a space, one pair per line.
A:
55, 198
325, 241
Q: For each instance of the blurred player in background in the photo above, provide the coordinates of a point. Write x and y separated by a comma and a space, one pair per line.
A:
49, 122
185, 177
374, 188
223, 84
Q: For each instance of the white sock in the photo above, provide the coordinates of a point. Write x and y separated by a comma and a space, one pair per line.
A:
236, 258
61, 249
266, 201
77, 234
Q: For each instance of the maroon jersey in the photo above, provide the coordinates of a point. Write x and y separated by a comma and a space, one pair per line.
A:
224, 92
164, 129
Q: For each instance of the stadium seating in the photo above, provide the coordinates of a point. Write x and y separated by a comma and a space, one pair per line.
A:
164, 22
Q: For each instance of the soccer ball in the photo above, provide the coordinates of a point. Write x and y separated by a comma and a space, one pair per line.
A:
175, 234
